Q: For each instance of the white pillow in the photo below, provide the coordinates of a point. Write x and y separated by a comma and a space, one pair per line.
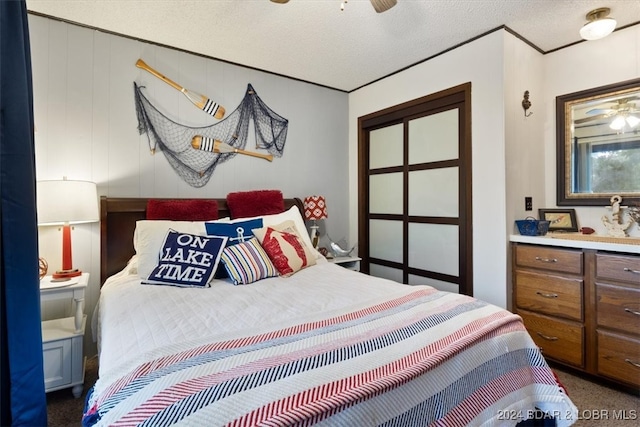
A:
293, 214
148, 239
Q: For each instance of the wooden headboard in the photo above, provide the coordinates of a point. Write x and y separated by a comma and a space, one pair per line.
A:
118, 218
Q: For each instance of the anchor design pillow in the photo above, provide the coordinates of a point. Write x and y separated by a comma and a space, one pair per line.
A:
187, 260
236, 231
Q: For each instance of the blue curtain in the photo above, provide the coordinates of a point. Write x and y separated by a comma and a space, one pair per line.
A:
22, 396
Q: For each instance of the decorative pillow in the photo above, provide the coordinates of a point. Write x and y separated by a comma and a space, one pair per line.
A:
183, 210
285, 248
187, 260
237, 231
292, 214
149, 237
247, 262
246, 204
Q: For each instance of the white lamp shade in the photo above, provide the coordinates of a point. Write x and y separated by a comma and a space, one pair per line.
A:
617, 123
67, 201
598, 29
633, 121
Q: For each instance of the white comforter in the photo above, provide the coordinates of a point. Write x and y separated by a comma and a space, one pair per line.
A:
326, 345
137, 326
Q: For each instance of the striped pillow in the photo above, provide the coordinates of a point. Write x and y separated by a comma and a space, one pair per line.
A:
247, 262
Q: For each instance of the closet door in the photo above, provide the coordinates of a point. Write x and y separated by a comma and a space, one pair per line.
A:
415, 204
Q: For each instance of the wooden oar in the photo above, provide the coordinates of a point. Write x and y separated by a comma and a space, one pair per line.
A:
214, 145
200, 101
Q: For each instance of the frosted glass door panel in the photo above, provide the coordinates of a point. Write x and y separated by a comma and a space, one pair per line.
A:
434, 247
434, 138
385, 240
386, 272
434, 192
438, 284
385, 193
386, 147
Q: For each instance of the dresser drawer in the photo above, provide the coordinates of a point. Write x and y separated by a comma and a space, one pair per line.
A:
618, 307
619, 357
548, 294
543, 257
558, 339
625, 268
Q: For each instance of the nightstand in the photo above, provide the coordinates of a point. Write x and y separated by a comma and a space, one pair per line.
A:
62, 339
349, 262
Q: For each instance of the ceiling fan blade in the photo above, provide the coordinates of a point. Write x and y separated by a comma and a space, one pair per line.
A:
383, 5
280, 1
601, 111
589, 119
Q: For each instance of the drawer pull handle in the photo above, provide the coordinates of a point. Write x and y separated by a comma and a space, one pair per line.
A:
546, 259
631, 270
547, 337
547, 295
631, 362
628, 310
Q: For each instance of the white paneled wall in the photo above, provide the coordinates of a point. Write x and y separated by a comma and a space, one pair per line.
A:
87, 129
616, 58
480, 62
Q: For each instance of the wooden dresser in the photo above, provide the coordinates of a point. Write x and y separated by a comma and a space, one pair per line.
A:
580, 301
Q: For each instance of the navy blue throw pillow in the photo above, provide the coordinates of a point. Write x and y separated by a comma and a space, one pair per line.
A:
187, 260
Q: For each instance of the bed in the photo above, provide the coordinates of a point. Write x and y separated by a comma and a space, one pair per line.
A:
322, 346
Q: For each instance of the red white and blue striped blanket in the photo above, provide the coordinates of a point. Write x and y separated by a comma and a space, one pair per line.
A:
421, 358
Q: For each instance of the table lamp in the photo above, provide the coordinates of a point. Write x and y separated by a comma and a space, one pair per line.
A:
315, 208
65, 202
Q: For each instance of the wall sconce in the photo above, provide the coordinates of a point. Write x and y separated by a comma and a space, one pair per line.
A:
526, 104
600, 25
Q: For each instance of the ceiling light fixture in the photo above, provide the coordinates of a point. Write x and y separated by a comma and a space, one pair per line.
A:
624, 119
599, 26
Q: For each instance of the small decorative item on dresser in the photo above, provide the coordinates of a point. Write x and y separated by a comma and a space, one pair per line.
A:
532, 227
634, 213
615, 226
560, 219
587, 230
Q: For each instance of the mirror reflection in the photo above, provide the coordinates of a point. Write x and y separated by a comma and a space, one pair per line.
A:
600, 145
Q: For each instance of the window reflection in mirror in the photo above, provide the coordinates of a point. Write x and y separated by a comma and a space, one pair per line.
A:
599, 145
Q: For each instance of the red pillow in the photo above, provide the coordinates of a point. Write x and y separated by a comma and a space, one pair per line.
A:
183, 210
246, 204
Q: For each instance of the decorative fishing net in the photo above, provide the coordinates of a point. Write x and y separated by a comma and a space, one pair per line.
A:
195, 166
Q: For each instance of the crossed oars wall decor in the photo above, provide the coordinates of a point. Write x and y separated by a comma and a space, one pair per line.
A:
210, 144
194, 152
200, 101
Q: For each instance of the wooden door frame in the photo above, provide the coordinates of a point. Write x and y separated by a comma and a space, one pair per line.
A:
397, 114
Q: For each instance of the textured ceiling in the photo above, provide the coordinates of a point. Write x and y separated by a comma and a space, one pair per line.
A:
312, 40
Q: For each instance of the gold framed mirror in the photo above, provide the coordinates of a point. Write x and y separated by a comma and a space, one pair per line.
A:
598, 145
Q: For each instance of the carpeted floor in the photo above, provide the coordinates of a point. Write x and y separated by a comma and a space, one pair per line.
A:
599, 405
62, 408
